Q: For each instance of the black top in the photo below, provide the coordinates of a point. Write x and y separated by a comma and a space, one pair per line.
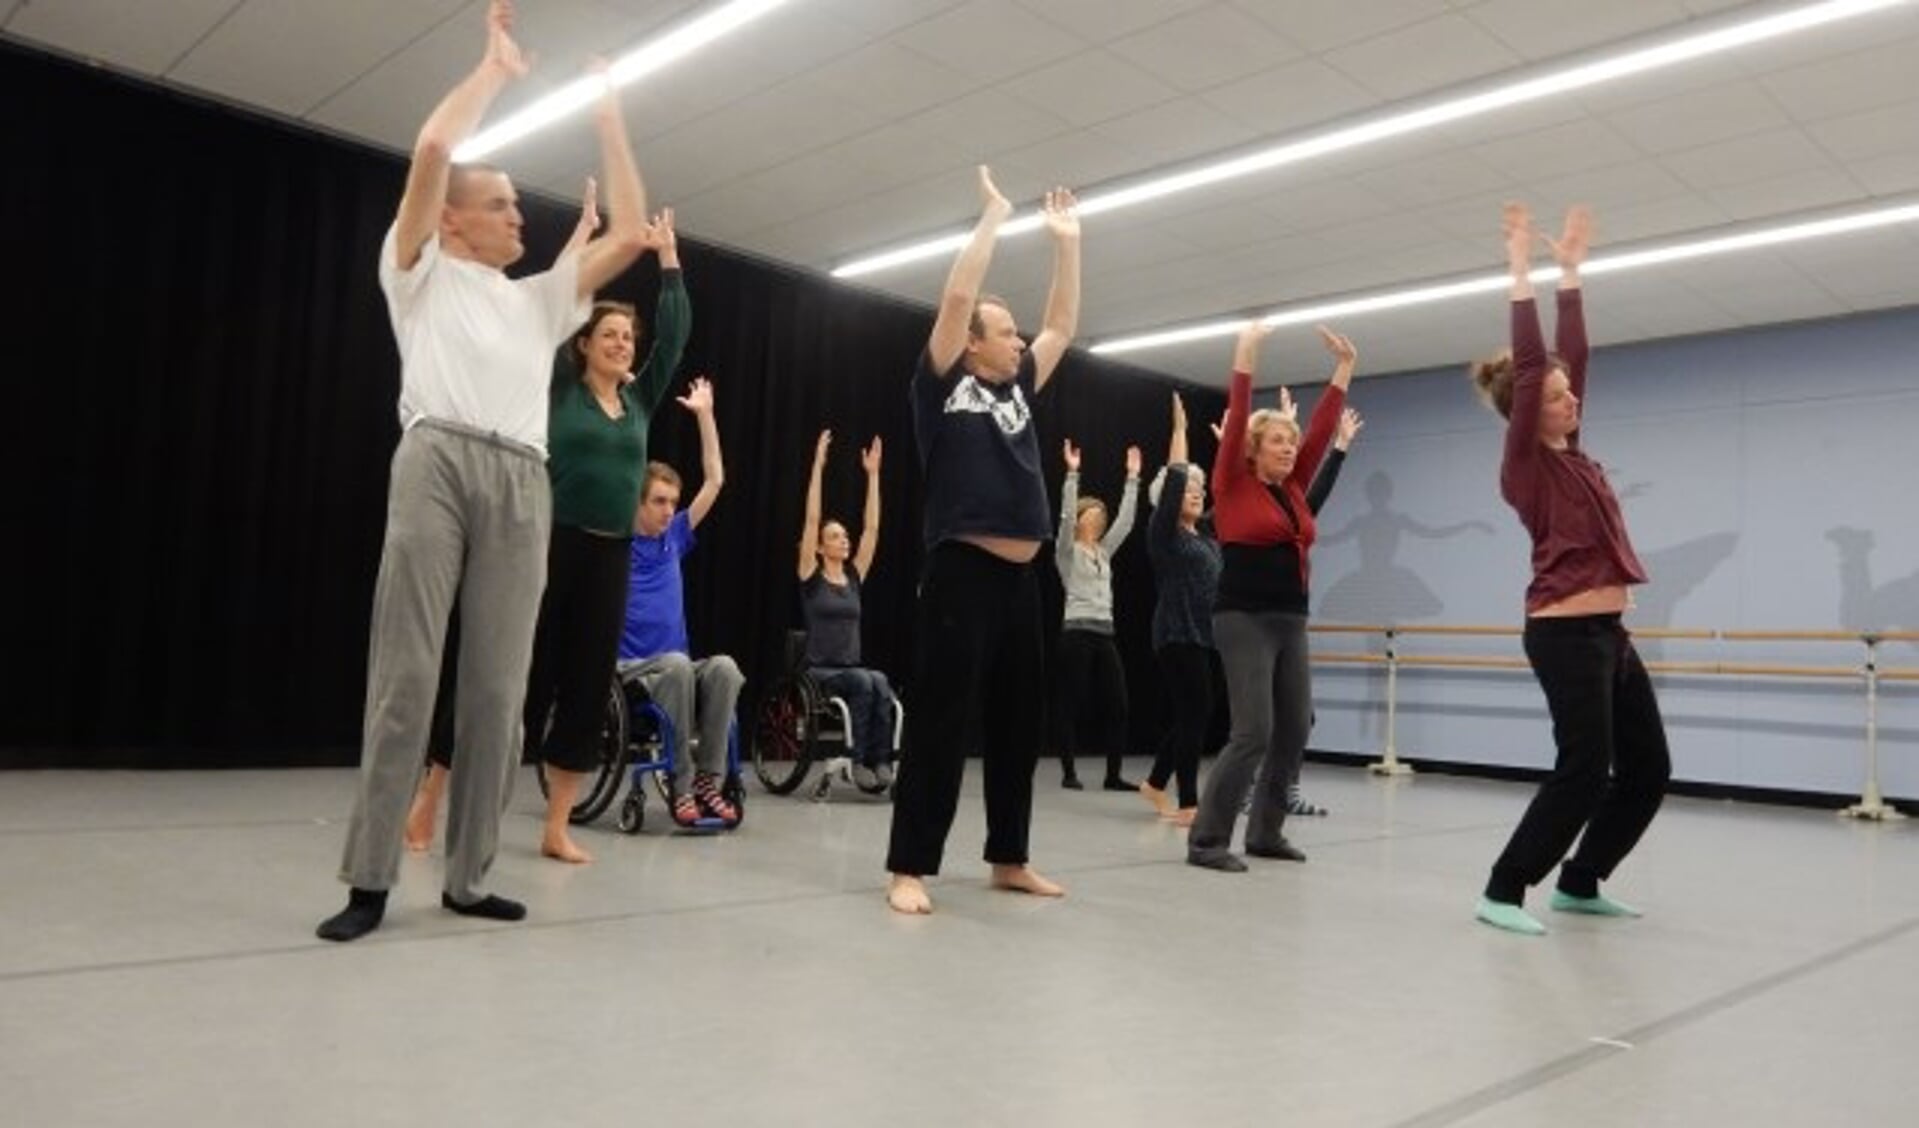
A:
832, 614
980, 453
1185, 567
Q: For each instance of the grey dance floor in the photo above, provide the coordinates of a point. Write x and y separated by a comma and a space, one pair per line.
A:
158, 967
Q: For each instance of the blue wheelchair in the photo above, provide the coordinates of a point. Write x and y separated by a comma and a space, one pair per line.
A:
638, 740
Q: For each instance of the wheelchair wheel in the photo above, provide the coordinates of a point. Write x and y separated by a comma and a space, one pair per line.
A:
633, 813
648, 751
783, 737
603, 782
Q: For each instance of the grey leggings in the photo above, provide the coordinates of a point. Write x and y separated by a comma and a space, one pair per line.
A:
1269, 688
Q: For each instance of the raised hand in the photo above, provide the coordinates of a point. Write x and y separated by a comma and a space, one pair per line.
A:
1287, 408
819, 449
1516, 220
991, 202
870, 457
1179, 413
1133, 462
1061, 211
660, 235
502, 53
1071, 454
699, 396
1246, 348
1339, 345
1575, 239
1349, 425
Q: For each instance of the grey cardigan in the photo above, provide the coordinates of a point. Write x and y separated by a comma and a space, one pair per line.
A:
1087, 573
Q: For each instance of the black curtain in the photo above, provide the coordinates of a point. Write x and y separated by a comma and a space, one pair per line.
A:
204, 409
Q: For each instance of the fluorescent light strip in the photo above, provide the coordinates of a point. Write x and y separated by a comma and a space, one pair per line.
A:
1455, 109
636, 64
1608, 264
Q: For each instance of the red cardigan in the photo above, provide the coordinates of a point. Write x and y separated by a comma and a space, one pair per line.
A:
1561, 496
1244, 512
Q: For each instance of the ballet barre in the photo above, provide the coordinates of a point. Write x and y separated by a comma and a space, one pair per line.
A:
1871, 805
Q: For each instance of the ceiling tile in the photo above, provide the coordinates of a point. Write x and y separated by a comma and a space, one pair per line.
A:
1807, 190
1420, 60
1880, 132
1181, 132
1089, 88
1321, 25
1572, 147
1208, 47
1862, 80
1100, 21
339, 41
1758, 156
1735, 109
1543, 29
1291, 97
1019, 41
142, 38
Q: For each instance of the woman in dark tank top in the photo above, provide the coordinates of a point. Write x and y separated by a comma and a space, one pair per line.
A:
831, 569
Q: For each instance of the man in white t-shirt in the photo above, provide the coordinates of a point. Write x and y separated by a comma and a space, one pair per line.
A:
468, 504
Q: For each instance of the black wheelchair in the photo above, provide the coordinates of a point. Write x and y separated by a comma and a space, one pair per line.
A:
798, 725
637, 740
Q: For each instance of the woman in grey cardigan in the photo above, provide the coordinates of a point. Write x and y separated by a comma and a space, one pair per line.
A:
1089, 706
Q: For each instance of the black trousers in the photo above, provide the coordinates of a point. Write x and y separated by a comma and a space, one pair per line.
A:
575, 645
1188, 670
977, 670
1613, 763
1089, 699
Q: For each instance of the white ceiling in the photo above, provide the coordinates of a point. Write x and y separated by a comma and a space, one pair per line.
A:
834, 127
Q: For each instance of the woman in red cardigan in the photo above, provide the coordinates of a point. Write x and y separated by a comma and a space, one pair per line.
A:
1265, 531
1613, 763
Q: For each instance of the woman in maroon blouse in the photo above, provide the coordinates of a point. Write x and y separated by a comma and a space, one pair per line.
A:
1266, 532
1612, 764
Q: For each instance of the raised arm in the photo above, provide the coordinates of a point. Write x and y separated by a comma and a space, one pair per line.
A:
450, 123
1326, 413
589, 220
963, 282
1128, 506
810, 523
1062, 302
1328, 473
1528, 344
1229, 462
672, 315
1068, 511
869, 545
1176, 446
1162, 528
699, 400
1569, 332
626, 234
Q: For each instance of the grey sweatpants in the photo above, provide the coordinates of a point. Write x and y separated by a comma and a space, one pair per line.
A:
1269, 688
466, 513
699, 697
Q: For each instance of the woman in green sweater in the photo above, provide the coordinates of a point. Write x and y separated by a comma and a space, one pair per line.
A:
596, 431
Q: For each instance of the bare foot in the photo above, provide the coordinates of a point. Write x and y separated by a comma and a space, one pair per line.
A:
1157, 798
907, 894
1025, 879
563, 849
419, 823
1183, 816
